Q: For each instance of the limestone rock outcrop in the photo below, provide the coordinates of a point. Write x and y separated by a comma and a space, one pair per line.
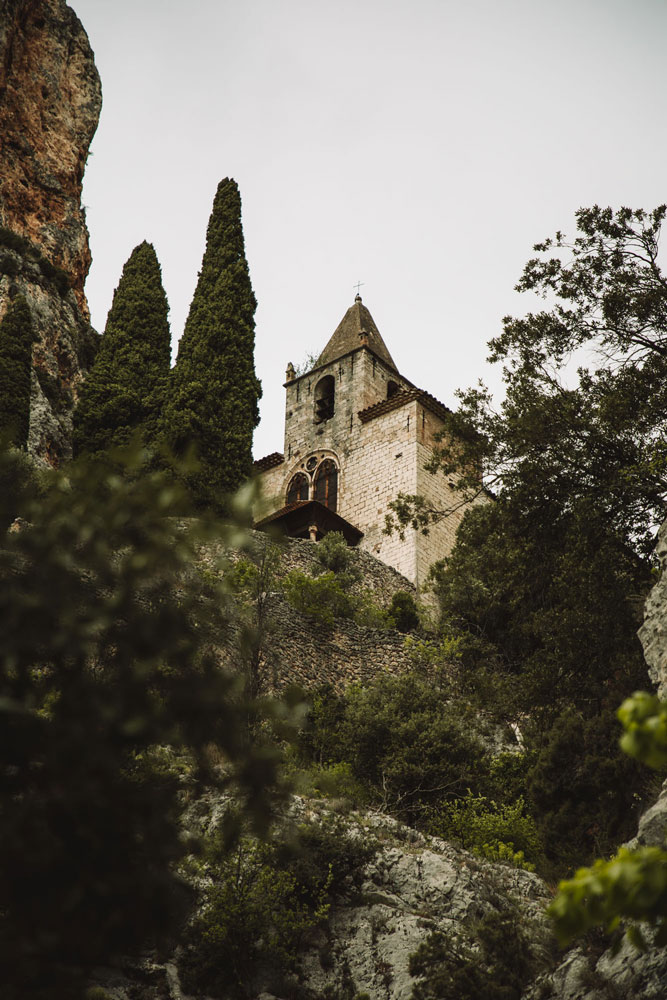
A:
50, 101
413, 886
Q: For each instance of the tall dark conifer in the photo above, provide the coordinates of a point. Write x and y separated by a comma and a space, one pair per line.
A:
213, 401
125, 390
16, 337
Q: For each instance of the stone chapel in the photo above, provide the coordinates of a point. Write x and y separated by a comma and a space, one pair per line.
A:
357, 433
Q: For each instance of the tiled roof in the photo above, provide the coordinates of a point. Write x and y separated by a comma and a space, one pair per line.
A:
399, 399
298, 515
283, 510
269, 461
356, 329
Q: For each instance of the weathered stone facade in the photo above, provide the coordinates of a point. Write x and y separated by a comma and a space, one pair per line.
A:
380, 434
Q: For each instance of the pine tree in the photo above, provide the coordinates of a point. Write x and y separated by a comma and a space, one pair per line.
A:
125, 390
16, 337
212, 407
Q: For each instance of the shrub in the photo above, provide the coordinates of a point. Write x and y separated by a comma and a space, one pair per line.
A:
330, 781
324, 597
319, 739
494, 831
333, 553
412, 748
249, 927
404, 611
494, 961
261, 904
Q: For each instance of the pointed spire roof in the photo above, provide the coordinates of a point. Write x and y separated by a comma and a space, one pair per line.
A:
356, 329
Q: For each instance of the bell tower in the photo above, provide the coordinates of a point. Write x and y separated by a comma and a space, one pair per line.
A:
357, 433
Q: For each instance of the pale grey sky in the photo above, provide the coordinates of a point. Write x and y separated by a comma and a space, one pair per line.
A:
419, 147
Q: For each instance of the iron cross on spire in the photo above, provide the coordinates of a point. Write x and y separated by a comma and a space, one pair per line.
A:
358, 285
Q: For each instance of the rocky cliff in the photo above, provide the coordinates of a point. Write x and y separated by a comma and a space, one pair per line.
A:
50, 100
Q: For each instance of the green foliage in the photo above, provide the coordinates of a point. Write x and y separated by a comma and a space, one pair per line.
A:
333, 781
125, 390
494, 961
318, 739
323, 597
333, 553
633, 884
252, 921
333, 591
213, 404
582, 790
644, 718
403, 611
309, 361
548, 604
16, 339
108, 653
252, 578
18, 484
260, 905
495, 831
598, 433
409, 746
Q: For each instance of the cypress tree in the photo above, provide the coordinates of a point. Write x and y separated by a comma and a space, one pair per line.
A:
16, 337
213, 401
126, 387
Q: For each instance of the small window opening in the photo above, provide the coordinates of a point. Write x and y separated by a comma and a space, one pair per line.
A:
298, 488
324, 399
392, 388
297, 392
326, 484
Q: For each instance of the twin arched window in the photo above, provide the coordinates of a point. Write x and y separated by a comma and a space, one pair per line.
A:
298, 488
325, 485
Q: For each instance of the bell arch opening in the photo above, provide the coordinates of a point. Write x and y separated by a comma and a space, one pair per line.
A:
324, 399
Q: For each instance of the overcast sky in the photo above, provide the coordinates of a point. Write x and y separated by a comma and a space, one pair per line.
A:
420, 147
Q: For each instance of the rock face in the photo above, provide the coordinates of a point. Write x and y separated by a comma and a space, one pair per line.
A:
413, 886
653, 633
50, 100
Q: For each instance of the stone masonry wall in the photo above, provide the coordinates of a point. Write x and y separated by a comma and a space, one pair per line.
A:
304, 651
382, 464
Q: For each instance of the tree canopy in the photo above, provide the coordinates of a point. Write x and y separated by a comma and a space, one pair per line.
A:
213, 404
124, 392
585, 411
545, 585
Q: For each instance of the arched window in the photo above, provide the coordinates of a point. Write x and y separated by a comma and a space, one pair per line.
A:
298, 488
392, 388
324, 398
326, 484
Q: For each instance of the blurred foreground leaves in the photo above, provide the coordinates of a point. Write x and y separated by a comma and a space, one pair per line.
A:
632, 886
110, 649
